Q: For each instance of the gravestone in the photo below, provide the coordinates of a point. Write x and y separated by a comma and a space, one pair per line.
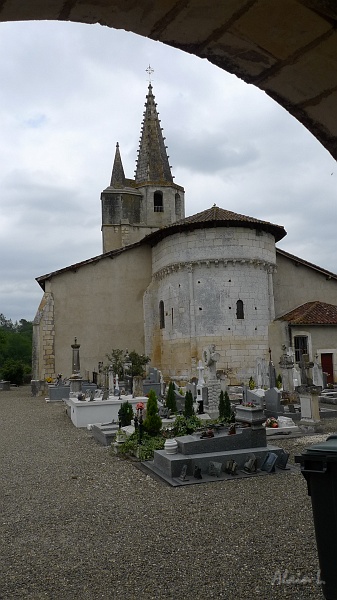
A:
213, 384
137, 387
306, 370
317, 375
255, 396
269, 463
286, 365
215, 468
272, 374
282, 459
262, 375
153, 382
297, 377
111, 380
273, 404
310, 417
192, 387
250, 465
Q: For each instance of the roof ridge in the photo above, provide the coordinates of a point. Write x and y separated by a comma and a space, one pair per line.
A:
218, 216
305, 262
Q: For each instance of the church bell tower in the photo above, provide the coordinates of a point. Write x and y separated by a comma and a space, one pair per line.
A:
133, 208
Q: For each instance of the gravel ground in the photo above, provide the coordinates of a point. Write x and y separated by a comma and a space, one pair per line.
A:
79, 523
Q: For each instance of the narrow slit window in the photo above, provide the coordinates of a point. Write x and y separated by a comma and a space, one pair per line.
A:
239, 310
177, 205
161, 315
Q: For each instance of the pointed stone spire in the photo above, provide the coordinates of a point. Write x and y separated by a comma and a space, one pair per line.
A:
152, 163
117, 176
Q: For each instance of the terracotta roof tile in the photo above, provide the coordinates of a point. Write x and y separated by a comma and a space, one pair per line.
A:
218, 217
312, 313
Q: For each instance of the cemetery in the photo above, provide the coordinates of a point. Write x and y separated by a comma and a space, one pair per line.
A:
205, 431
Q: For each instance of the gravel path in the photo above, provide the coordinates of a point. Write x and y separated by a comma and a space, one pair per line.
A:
80, 523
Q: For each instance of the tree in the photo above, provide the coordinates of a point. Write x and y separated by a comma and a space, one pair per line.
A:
171, 398
15, 345
116, 359
138, 362
13, 371
188, 410
152, 422
6, 324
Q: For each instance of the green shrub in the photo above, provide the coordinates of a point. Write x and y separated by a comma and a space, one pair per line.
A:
251, 383
279, 381
125, 413
152, 422
143, 451
171, 398
188, 410
185, 425
13, 371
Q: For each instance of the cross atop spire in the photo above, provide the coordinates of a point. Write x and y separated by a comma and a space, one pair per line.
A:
149, 71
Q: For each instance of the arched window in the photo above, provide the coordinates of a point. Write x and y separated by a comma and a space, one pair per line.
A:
239, 310
161, 315
158, 205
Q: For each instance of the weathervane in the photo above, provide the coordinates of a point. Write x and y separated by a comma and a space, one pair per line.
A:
149, 71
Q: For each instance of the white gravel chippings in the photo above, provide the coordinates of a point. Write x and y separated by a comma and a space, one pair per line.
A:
77, 522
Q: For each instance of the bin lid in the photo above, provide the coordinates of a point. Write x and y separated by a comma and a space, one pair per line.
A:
327, 447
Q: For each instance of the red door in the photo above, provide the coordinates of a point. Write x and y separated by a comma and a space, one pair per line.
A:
327, 366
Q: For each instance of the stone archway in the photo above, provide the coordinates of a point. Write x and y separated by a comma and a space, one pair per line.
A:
287, 49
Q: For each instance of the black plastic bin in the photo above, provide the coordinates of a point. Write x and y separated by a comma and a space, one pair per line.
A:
319, 467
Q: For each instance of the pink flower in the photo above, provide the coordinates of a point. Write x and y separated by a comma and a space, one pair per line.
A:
140, 406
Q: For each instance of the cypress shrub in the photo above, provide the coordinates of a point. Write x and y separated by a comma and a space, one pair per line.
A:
171, 398
225, 410
152, 422
189, 410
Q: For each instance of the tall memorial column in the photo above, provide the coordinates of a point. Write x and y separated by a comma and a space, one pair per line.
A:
75, 378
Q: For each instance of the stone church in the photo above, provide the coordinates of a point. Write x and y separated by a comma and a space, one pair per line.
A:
170, 286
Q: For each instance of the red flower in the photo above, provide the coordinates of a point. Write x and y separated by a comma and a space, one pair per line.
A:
140, 406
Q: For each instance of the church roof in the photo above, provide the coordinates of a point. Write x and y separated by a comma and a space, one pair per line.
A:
152, 163
312, 313
300, 261
117, 176
217, 217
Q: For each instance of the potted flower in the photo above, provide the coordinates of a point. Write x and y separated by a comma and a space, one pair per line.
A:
271, 422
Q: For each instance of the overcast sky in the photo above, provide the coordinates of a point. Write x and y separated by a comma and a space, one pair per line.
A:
69, 92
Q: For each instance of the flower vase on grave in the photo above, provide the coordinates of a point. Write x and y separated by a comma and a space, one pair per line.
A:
171, 446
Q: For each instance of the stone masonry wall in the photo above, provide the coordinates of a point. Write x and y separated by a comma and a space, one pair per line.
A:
44, 340
200, 276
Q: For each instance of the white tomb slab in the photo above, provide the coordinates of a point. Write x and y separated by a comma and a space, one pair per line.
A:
285, 426
84, 413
